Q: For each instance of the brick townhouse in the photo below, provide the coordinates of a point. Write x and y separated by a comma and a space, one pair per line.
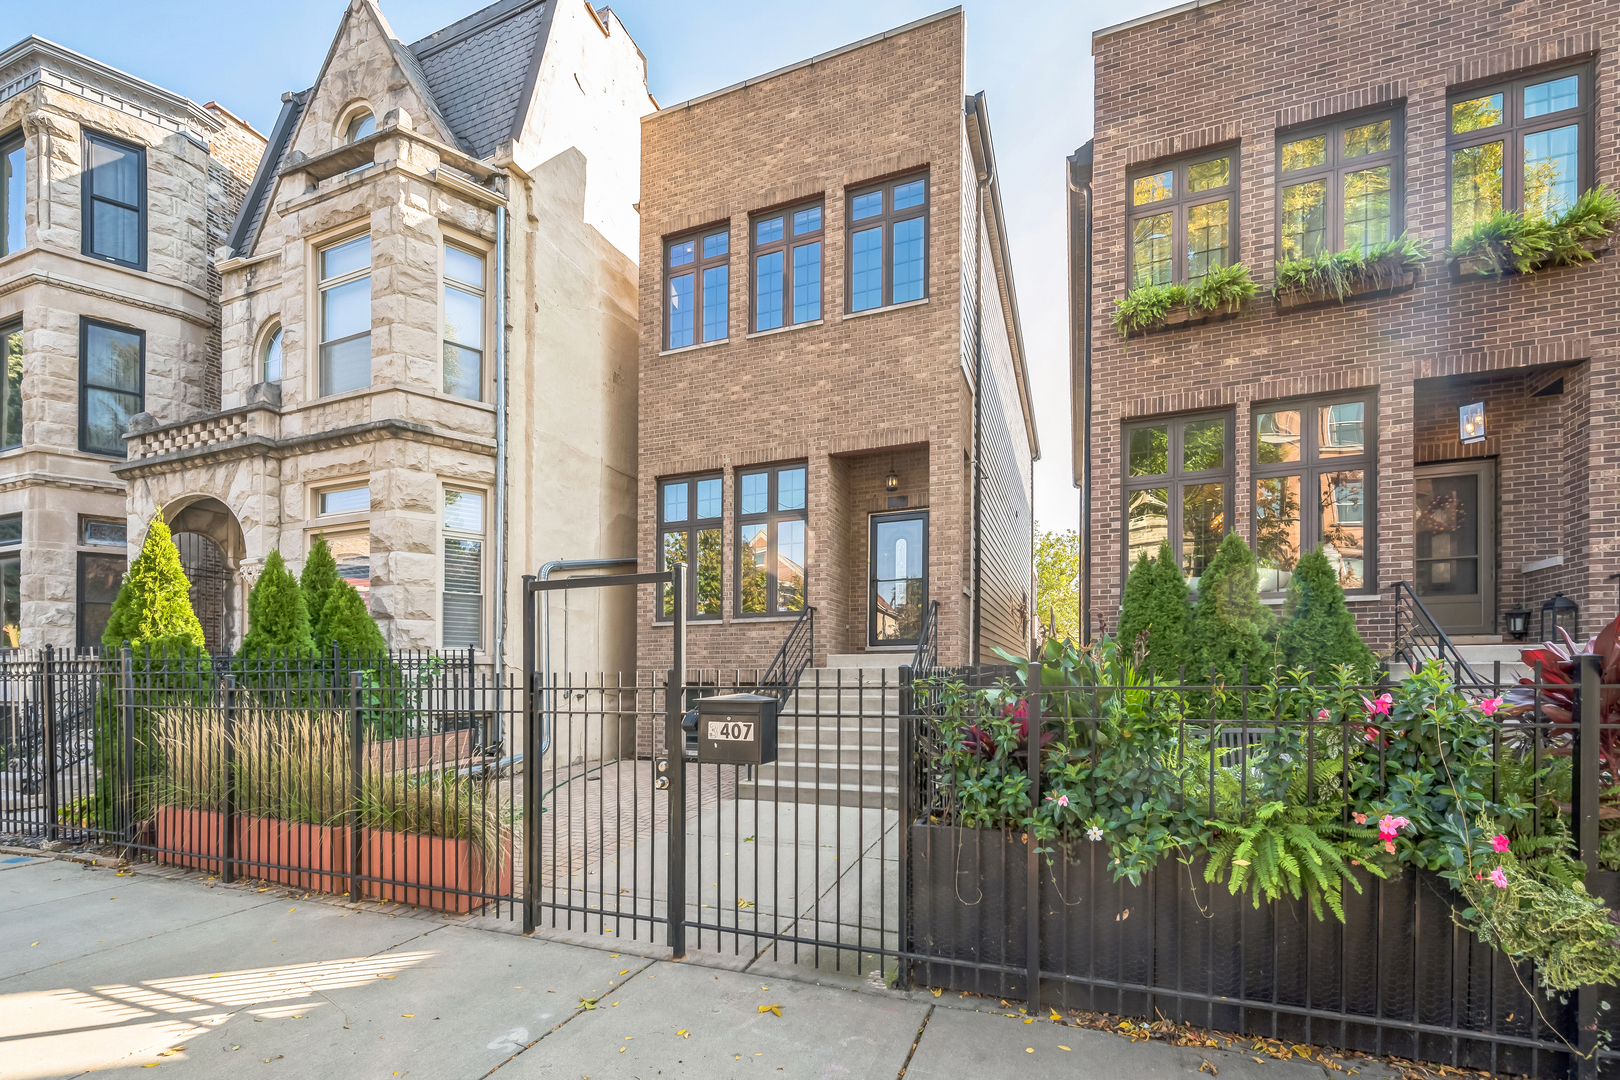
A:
834, 404
1243, 131
113, 195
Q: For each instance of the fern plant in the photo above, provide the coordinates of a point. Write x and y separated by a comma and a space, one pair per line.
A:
1507, 239
1298, 851
1145, 305
1340, 273
1223, 286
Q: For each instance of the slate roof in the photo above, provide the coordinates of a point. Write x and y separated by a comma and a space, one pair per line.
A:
478, 69
245, 231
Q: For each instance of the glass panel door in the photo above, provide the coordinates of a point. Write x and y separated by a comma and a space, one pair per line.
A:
1454, 536
898, 562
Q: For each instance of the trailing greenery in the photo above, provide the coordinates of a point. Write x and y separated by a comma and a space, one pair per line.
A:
1341, 273
1145, 305
1222, 286
1527, 242
1154, 615
1317, 630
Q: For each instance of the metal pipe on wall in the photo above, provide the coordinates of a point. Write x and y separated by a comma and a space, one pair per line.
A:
500, 442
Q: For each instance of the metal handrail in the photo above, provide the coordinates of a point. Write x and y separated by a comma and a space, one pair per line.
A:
797, 650
1423, 640
926, 658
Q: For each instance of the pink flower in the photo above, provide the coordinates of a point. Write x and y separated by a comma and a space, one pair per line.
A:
1390, 827
1498, 878
1322, 714
1389, 846
1361, 819
1490, 705
1499, 842
1380, 705
1061, 800
1020, 710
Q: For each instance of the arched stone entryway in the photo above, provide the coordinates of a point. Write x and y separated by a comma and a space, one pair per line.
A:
211, 548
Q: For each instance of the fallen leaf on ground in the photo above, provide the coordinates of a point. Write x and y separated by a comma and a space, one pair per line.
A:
683, 1033
777, 1009
937, 991
1062, 1047
1207, 1067
741, 903
408, 1016
587, 1003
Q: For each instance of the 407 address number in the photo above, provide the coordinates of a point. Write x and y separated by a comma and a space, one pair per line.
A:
730, 731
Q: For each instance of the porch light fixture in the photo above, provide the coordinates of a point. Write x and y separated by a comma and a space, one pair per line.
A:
1517, 621
1471, 422
1559, 613
892, 481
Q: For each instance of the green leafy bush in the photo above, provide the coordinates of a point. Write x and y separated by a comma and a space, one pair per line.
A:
1339, 274
278, 617
1229, 623
1525, 243
1145, 305
1282, 849
347, 627
1222, 286
152, 610
1154, 614
1317, 629
319, 578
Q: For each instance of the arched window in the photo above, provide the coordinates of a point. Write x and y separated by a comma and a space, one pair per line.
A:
272, 356
362, 125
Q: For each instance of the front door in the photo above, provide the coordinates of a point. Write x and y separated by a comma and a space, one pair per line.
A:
898, 560
1456, 545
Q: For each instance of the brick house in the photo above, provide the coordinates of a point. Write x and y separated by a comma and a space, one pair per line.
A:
1231, 131
438, 231
834, 404
113, 195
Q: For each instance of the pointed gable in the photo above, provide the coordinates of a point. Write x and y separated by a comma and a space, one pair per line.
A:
478, 70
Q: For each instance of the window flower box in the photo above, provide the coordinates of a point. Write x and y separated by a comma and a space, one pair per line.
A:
1361, 287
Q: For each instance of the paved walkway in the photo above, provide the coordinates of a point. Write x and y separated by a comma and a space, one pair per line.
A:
105, 970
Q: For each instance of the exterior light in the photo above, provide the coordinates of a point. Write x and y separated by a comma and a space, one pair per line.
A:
1518, 622
1471, 422
1559, 613
892, 481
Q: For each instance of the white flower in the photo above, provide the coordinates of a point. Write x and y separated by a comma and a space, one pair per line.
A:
1094, 833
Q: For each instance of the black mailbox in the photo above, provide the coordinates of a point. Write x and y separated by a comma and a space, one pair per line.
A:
737, 729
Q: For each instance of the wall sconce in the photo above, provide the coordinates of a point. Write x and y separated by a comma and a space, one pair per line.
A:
1518, 622
1471, 422
892, 481
1560, 613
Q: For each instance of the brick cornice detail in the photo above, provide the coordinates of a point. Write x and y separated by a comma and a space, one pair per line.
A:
1511, 58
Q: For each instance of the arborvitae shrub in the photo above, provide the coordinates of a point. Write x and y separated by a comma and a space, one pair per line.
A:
347, 627
319, 578
152, 611
1229, 622
1154, 615
278, 618
1317, 629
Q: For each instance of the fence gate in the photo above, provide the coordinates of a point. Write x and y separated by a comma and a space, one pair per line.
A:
794, 861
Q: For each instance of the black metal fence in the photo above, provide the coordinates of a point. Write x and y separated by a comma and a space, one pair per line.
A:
389, 777
996, 910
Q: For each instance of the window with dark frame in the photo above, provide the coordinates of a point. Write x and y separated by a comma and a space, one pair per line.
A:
689, 531
697, 288
11, 581
11, 347
1178, 487
13, 192
887, 258
787, 247
112, 384
771, 513
114, 200
1180, 217
1520, 144
1312, 472
1339, 186
99, 579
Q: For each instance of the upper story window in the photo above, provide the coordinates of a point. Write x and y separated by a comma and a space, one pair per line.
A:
11, 347
270, 357
689, 512
1339, 187
463, 323
1519, 145
787, 267
345, 287
114, 206
345, 500
697, 284
1178, 487
1180, 218
1314, 452
770, 540
112, 384
13, 192
361, 125
888, 243
99, 532
463, 569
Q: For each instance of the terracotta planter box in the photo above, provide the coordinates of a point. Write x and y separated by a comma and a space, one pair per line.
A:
417, 869
418, 751
314, 857
1290, 300
191, 838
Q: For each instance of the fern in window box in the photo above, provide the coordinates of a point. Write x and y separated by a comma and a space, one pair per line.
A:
1146, 305
1224, 289
1513, 242
1342, 274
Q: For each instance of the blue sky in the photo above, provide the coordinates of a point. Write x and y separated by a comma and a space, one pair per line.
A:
1033, 59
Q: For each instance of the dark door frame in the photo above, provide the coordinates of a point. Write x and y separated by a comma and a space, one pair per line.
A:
873, 521
1446, 610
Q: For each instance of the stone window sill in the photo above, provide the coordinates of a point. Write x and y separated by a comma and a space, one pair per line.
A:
695, 348
784, 329
881, 310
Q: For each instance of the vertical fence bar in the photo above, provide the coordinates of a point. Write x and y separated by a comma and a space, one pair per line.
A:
675, 748
531, 765
905, 756
126, 777
228, 753
1032, 901
48, 687
355, 749
1588, 781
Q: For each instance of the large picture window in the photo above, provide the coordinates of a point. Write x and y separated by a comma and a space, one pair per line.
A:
99, 579
13, 192
770, 540
1178, 487
887, 258
689, 530
1339, 186
787, 267
1181, 217
463, 323
345, 289
1313, 475
114, 200
11, 349
112, 384
463, 569
697, 288
1519, 145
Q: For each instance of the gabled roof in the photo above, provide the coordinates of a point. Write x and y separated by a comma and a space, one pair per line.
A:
479, 70
245, 231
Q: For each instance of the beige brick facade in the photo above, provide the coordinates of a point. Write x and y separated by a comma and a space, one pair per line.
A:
853, 396
1237, 73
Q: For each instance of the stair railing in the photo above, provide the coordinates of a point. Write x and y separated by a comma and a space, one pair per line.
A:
926, 658
797, 650
1419, 638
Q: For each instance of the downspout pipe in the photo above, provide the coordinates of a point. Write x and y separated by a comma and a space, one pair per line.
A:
500, 442
1079, 182
565, 565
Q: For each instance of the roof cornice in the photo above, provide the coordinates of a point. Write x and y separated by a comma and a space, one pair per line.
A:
63, 69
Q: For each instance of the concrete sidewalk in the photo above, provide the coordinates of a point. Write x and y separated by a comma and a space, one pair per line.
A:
103, 969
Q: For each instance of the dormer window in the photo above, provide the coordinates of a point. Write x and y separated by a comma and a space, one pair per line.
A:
363, 124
